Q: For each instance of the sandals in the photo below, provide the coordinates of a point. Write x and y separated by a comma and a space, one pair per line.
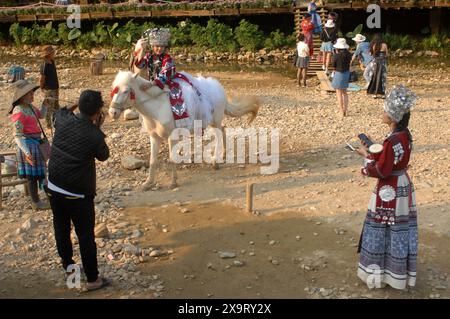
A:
41, 205
105, 283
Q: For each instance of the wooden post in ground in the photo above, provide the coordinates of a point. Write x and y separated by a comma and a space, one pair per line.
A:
97, 64
249, 198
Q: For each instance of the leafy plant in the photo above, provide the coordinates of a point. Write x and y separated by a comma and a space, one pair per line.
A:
436, 42
74, 34
278, 39
398, 41
353, 33
249, 36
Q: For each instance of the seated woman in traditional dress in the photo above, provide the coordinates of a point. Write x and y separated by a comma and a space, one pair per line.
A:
28, 136
315, 18
379, 51
389, 240
161, 69
160, 66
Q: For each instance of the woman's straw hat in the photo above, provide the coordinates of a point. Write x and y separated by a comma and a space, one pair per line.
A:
329, 24
341, 43
47, 50
21, 88
359, 38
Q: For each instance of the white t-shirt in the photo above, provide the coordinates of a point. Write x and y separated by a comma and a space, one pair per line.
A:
302, 49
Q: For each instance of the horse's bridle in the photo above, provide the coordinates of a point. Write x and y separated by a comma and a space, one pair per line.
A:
120, 99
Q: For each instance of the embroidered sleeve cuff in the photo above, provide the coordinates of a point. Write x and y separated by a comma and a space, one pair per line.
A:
159, 84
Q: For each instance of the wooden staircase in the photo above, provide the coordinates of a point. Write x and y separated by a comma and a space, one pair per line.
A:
314, 66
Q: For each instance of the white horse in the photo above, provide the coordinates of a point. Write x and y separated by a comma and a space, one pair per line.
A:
154, 106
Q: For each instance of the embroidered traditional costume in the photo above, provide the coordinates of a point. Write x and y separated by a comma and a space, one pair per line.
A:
389, 240
162, 71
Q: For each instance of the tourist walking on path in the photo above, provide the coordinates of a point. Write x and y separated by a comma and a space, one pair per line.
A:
379, 52
49, 82
302, 62
328, 37
362, 53
389, 240
341, 63
77, 143
315, 17
28, 137
307, 28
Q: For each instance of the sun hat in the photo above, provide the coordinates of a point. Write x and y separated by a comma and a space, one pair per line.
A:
359, 38
21, 88
330, 24
341, 43
47, 50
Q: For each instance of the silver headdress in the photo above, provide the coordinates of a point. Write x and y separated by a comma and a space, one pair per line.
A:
158, 36
399, 101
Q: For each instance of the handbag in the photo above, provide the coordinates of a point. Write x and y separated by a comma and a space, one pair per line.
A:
44, 144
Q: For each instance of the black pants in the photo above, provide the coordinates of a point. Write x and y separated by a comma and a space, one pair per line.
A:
82, 214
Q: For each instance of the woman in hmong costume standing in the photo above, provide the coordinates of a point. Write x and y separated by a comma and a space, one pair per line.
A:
316, 20
378, 67
307, 28
389, 240
28, 135
161, 68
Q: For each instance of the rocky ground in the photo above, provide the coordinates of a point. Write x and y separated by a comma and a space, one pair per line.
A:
197, 241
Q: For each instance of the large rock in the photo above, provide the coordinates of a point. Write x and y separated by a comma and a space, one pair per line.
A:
101, 231
29, 224
431, 53
131, 162
130, 115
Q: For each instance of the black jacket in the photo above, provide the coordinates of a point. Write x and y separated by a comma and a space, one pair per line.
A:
76, 145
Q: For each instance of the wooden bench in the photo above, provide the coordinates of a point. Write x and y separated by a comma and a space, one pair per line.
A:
325, 84
8, 175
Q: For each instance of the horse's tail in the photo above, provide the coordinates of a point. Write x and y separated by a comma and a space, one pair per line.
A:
243, 105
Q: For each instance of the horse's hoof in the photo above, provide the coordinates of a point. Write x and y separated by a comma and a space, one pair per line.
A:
173, 186
215, 166
148, 186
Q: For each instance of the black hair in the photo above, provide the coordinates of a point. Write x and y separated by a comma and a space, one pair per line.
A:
300, 37
403, 125
90, 102
375, 44
307, 15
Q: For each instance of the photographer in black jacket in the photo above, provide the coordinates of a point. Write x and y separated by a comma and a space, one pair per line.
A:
78, 141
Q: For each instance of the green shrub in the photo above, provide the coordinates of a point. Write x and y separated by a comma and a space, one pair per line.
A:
16, 31
436, 42
399, 41
63, 34
84, 41
181, 34
249, 36
278, 40
45, 34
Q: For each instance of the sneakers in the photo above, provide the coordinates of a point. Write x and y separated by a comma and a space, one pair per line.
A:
323, 67
40, 205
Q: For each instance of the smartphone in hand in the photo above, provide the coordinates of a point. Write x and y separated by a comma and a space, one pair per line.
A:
363, 137
349, 147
